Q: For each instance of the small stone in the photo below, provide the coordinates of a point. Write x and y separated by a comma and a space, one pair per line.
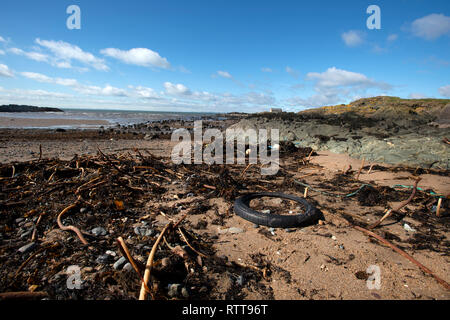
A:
256, 226
240, 280
27, 247
26, 234
184, 293
19, 220
119, 263
173, 289
272, 231
267, 211
99, 231
234, 230
83, 210
289, 230
111, 253
333, 237
127, 267
321, 222
104, 259
142, 231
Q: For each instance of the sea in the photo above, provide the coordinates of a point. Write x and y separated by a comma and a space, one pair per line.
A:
114, 117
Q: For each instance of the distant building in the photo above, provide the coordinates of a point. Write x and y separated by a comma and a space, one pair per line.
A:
276, 110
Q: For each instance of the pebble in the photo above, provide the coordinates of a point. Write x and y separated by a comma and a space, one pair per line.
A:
333, 237
232, 230
27, 247
120, 263
184, 293
142, 231
173, 289
240, 280
104, 259
289, 230
267, 211
19, 220
256, 226
83, 210
272, 231
127, 267
26, 234
99, 231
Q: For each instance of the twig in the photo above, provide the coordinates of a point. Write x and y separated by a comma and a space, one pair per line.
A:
249, 165
148, 266
189, 245
438, 208
124, 249
13, 171
360, 169
70, 228
401, 205
305, 194
40, 152
370, 169
404, 254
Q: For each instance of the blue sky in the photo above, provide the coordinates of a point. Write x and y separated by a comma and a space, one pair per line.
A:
221, 55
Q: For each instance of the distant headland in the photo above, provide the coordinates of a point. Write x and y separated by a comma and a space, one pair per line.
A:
25, 108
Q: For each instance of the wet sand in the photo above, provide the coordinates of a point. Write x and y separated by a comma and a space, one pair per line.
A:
6, 122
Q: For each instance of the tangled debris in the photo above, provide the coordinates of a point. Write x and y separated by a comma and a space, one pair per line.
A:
101, 213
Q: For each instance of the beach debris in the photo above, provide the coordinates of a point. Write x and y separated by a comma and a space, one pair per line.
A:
408, 228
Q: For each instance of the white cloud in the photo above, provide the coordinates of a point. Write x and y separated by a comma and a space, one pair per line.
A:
5, 71
2, 52
37, 76
392, 37
138, 56
416, 95
2, 39
266, 70
146, 93
37, 56
107, 90
353, 38
176, 89
224, 74
65, 52
445, 91
33, 94
334, 77
292, 72
431, 27
336, 85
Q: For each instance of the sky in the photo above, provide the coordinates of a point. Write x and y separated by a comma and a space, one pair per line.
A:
221, 56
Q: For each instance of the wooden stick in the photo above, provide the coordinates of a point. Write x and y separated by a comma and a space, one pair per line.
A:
404, 254
40, 152
148, 266
370, 169
438, 208
123, 247
305, 194
360, 169
310, 154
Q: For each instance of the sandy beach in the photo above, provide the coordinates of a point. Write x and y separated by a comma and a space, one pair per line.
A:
327, 260
11, 122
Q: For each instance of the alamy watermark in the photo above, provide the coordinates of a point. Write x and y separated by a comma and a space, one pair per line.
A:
208, 147
74, 20
374, 20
